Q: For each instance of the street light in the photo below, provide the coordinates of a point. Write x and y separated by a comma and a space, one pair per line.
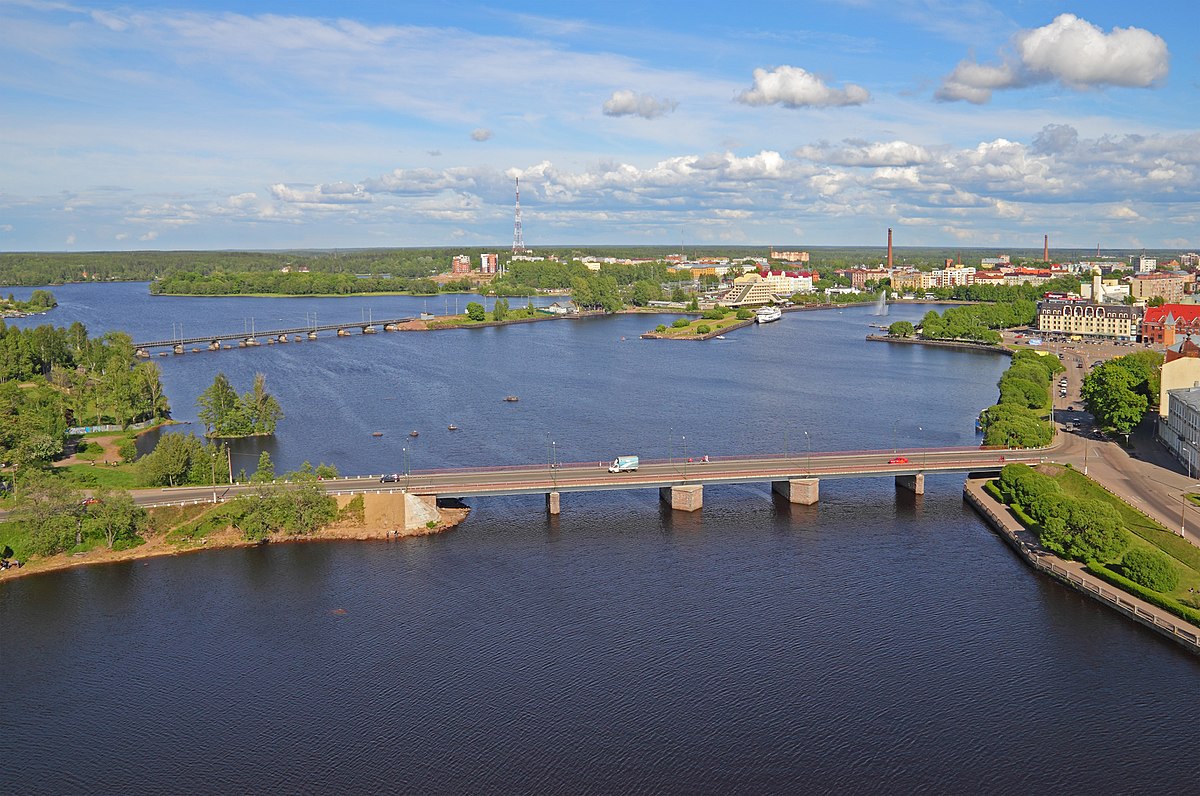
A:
685, 457
924, 447
808, 444
404, 465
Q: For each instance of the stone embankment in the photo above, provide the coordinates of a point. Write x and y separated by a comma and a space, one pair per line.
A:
960, 345
1072, 573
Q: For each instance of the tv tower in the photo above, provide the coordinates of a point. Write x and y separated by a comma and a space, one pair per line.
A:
518, 237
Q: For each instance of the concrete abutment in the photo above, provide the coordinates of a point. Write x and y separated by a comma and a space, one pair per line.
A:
552, 504
913, 483
686, 497
805, 491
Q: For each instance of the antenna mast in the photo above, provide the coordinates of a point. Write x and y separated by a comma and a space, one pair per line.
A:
518, 237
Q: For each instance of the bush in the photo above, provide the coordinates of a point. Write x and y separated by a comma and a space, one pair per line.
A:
744, 314
703, 329
681, 322
1150, 568
660, 328
127, 448
1150, 596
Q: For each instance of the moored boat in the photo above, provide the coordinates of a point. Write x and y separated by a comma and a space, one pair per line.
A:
767, 314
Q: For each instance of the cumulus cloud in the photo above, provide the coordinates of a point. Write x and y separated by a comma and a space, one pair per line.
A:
794, 87
1071, 51
1055, 138
338, 193
627, 103
481, 134
867, 154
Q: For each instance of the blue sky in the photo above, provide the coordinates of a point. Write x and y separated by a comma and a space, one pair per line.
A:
314, 124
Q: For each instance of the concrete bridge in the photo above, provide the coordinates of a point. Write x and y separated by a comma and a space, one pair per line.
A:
680, 483
213, 342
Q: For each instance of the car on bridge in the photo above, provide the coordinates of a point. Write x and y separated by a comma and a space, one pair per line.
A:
389, 478
898, 460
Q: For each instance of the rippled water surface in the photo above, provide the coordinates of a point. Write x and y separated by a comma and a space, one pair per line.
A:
875, 642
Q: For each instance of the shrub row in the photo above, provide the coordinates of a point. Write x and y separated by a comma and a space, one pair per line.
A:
1149, 595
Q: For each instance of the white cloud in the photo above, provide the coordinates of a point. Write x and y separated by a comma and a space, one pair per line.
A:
71, 239
794, 87
122, 236
6, 227
481, 134
151, 235
859, 153
1071, 51
1122, 213
338, 193
627, 103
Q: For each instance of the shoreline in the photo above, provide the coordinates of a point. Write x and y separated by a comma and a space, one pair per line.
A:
1073, 575
960, 345
228, 539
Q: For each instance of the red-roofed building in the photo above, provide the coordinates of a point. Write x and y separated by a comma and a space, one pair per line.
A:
1170, 321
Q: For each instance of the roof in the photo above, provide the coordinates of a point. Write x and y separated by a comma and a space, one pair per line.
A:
1188, 396
1191, 340
1173, 313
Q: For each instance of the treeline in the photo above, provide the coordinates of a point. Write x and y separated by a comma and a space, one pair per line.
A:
222, 283
1080, 528
1016, 419
53, 378
977, 322
1119, 392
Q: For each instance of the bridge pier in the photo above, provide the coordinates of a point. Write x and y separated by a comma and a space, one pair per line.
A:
178, 349
805, 491
312, 335
283, 338
215, 345
913, 483
142, 353
368, 330
552, 504
687, 497
343, 333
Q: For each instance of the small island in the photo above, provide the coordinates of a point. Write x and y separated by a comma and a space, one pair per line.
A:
39, 301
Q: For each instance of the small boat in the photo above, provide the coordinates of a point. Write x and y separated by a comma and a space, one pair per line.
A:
719, 337
512, 399
376, 433
452, 427
414, 434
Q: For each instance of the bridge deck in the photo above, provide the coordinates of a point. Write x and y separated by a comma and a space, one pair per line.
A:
244, 335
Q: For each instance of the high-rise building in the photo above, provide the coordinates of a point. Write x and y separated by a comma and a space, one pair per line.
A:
461, 264
488, 263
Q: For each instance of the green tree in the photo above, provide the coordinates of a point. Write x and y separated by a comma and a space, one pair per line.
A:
262, 408
476, 312
116, 517
217, 406
645, 291
49, 512
265, 472
1109, 395
1151, 568
901, 329
500, 309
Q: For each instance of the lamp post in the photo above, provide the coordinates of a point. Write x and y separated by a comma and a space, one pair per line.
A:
893, 436
213, 462
684, 457
404, 465
924, 448
808, 444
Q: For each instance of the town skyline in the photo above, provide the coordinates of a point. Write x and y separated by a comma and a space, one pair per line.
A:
976, 125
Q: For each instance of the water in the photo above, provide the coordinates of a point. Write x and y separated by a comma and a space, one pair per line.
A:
875, 641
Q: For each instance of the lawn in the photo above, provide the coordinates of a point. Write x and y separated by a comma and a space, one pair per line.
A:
690, 330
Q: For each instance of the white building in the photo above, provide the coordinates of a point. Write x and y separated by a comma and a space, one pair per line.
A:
1181, 430
1143, 264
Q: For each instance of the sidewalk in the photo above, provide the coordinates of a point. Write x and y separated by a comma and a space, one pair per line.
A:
1073, 574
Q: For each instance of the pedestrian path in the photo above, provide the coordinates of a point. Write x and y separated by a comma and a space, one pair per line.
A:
1073, 574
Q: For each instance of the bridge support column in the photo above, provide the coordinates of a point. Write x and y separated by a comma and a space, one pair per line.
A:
312, 335
343, 333
805, 491
552, 503
688, 497
913, 483
178, 349
143, 353
215, 345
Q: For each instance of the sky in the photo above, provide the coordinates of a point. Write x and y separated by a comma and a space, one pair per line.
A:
299, 124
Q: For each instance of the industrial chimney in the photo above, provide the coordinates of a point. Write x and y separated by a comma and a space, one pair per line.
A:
1046, 249
889, 248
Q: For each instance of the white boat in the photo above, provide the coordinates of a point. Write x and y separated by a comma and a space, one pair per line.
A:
767, 314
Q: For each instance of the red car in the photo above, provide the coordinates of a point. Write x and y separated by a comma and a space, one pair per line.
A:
898, 460
89, 501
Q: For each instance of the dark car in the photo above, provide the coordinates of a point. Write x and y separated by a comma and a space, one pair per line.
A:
389, 478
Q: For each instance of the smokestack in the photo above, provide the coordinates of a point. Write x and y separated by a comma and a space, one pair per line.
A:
889, 248
1046, 249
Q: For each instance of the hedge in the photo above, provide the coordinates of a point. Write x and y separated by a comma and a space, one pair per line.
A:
1149, 595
